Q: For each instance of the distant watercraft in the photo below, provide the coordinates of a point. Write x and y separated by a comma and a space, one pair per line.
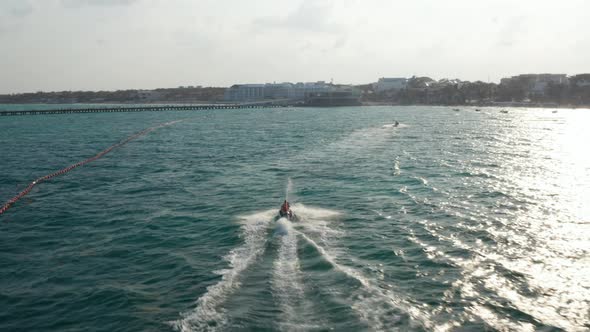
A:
503, 111
477, 110
392, 125
456, 109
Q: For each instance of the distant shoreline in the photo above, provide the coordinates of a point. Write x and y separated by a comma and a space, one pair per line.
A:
365, 103
495, 105
48, 106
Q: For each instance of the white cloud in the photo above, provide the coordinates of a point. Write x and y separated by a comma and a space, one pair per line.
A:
16, 8
312, 16
110, 44
82, 3
511, 30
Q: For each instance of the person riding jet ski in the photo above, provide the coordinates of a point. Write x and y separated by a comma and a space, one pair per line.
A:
285, 210
285, 207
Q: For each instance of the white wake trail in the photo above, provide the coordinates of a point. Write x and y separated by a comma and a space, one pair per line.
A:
288, 189
287, 283
373, 303
209, 314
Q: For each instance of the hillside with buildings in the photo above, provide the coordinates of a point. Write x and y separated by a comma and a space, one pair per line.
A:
187, 95
311, 93
527, 89
521, 90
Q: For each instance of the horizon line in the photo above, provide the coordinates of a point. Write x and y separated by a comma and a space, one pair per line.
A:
279, 82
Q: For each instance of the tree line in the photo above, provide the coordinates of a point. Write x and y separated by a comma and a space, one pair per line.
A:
425, 90
172, 95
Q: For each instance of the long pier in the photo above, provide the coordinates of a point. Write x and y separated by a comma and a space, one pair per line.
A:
145, 108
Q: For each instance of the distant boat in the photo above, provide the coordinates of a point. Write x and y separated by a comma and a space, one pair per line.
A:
456, 109
477, 110
392, 125
503, 111
554, 112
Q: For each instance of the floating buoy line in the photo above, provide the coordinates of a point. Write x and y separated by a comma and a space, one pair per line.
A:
62, 171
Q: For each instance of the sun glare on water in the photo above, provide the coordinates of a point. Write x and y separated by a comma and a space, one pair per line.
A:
551, 236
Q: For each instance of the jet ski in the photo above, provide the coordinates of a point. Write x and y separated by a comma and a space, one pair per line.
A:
286, 212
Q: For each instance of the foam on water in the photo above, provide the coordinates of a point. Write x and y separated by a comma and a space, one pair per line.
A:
312, 213
288, 189
368, 140
377, 305
287, 280
283, 225
396, 169
373, 303
208, 314
317, 222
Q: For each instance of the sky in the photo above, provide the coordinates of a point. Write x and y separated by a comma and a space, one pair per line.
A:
56, 45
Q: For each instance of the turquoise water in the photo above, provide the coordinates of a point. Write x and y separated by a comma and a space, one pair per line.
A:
462, 221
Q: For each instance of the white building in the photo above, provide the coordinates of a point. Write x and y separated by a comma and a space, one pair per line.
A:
296, 92
244, 92
300, 90
390, 83
543, 80
278, 90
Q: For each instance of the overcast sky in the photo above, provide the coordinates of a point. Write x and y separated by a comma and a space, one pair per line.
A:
54, 45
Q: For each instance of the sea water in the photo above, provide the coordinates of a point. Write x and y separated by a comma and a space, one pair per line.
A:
450, 221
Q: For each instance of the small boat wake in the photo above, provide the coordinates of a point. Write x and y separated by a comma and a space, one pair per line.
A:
287, 279
283, 227
209, 314
314, 232
377, 305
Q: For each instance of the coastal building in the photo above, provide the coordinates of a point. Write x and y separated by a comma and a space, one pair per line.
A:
278, 90
300, 90
244, 92
581, 80
390, 83
269, 91
534, 84
335, 96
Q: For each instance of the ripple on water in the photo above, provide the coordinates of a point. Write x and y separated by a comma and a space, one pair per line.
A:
450, 221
